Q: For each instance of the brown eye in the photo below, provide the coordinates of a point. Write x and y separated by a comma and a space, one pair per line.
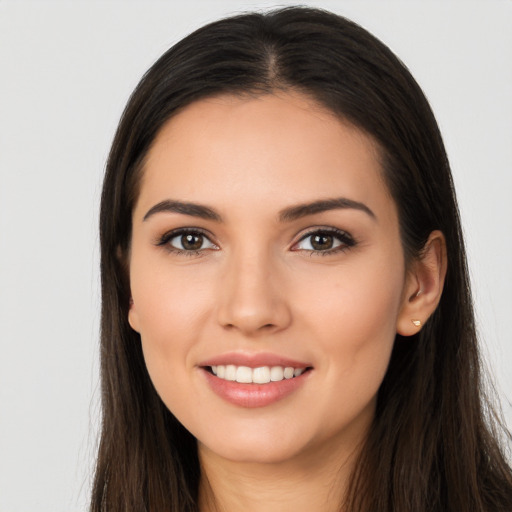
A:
322, 242
187, 241
191, 242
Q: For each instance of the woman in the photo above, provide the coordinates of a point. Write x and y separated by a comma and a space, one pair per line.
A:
287, 321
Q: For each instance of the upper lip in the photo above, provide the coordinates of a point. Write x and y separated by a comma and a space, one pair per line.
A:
254, 360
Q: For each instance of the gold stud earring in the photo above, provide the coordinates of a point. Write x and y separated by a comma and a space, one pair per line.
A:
417, 323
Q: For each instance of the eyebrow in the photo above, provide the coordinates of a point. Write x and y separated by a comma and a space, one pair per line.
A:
323, 205
287, 215
192, 209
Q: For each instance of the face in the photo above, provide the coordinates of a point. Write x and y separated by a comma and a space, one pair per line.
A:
267, 276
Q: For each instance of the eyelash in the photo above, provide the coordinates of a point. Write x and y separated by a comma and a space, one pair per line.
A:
167, 237
345, 239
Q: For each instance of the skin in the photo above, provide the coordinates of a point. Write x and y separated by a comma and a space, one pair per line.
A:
256, 285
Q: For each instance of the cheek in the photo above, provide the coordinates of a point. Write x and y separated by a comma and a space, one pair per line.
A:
171, 310
353, 301
166, 345
353, 322
166, 301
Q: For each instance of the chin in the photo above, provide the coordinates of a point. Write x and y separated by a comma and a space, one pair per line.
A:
254, 447
254, 454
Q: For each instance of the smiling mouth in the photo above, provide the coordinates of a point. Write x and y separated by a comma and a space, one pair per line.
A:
260, 375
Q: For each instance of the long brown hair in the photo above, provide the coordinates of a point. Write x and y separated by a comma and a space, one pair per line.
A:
434, 443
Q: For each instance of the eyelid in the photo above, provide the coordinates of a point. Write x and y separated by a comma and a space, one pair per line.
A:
163, 241
346, 240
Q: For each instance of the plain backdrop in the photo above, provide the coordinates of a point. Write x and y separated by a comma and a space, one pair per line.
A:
66, 71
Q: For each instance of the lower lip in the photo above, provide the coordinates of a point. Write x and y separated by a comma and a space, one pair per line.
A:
254, 395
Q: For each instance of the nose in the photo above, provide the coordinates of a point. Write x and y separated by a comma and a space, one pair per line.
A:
253, 298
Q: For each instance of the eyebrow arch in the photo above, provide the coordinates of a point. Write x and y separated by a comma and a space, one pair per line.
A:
192, 209
323, 205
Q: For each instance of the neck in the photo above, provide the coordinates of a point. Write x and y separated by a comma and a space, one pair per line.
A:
313, 481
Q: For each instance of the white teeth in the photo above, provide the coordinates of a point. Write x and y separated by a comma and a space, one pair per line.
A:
288, 372
244, 375
260, 375
276, 373
230, 372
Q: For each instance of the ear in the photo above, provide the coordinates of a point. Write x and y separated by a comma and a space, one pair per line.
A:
133, 317
423, 286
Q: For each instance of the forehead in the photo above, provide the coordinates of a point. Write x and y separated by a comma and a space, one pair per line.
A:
274, 148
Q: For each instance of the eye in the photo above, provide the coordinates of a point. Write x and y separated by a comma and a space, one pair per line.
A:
186, 240
326, 241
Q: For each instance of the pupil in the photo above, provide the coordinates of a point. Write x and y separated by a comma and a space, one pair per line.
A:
322, 242
192, 242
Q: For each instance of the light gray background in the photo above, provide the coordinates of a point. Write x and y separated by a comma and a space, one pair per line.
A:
66, 70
